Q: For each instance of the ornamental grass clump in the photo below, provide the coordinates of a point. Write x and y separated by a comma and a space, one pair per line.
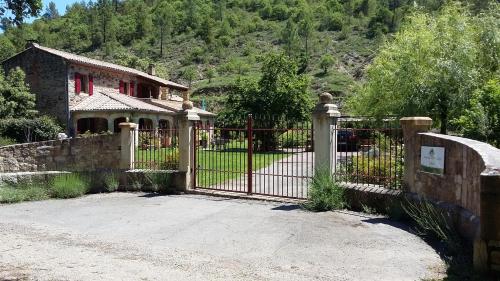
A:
325, 193
23, 191
69, 186
111, 181
431, 221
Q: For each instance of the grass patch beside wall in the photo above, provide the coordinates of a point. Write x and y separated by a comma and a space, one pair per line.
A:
60, 186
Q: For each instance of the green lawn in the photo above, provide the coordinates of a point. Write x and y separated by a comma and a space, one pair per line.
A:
214, 166
219, 166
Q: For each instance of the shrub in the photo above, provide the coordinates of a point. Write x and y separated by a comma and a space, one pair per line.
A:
6, 141
10, 195
159, 181
432, 221
325, 194
69, 186
27, 130
373, 169
23, 191
295, 138
110, 181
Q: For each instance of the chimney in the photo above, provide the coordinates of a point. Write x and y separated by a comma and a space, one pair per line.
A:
151, 69
30, 43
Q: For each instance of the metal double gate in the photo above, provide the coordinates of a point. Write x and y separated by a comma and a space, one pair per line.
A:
257, 156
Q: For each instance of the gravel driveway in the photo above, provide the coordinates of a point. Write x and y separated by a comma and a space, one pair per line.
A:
132, 236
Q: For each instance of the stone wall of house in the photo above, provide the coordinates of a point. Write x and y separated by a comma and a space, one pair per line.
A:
77, 154
46, 77
105, 81
470, 181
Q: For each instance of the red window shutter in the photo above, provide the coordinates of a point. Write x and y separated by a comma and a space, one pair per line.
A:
78, 83
139, 90
132, 84
121, 89
91, 85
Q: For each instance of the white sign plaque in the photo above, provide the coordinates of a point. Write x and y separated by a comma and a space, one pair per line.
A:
432, 159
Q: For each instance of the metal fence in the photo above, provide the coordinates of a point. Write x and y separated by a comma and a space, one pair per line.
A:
156, 149
369, 151
262, 155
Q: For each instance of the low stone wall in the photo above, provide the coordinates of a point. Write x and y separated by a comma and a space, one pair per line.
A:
76, 154
470, 184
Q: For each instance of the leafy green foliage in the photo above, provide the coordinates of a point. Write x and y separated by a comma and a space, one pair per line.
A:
16, 101
326, 62
325, 194
481, 120
27, 130
20, 9
280, 92
431, 68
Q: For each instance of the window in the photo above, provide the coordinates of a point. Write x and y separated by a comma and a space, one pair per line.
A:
84, 83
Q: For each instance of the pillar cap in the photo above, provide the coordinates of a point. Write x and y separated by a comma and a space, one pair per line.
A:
190, 115
127, 125
416, 121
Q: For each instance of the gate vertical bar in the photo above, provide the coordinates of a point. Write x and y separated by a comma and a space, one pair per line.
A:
195, 167
250, 151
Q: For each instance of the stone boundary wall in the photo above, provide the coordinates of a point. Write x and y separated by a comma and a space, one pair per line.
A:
470, 182
75, 154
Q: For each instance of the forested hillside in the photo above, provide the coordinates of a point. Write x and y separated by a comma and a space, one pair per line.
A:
209, 44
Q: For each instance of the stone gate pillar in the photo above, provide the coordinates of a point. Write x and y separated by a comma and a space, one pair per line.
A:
127, 137
411, 127
187, 120
325, 116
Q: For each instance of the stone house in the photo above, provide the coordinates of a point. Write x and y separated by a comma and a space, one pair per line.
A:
85, 94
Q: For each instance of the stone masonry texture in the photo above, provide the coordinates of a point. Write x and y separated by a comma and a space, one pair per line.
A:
77, 154
46, 77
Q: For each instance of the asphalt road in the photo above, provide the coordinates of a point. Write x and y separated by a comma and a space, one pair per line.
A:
134, 236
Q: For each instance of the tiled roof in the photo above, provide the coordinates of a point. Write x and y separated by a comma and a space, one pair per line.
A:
115, 102
176, 105
106, 65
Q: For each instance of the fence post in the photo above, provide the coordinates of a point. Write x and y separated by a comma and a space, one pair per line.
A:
325, 116
127, 137
187, 120
411, 126
249, 153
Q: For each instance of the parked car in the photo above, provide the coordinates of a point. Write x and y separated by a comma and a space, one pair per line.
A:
347, 141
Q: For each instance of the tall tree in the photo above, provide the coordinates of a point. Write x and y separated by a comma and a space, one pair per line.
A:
163, 19
51, 11
305, 25
20, 9
289, 36
16, 101
280, 92
430, 68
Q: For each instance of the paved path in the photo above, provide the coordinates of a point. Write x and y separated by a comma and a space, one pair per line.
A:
131, 236
289, 177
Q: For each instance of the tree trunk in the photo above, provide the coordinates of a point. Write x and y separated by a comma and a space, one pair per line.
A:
161, 42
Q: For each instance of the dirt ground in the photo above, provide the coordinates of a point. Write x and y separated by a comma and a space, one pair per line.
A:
135, 236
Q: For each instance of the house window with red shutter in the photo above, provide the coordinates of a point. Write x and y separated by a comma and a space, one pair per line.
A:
78, 83
121, 87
